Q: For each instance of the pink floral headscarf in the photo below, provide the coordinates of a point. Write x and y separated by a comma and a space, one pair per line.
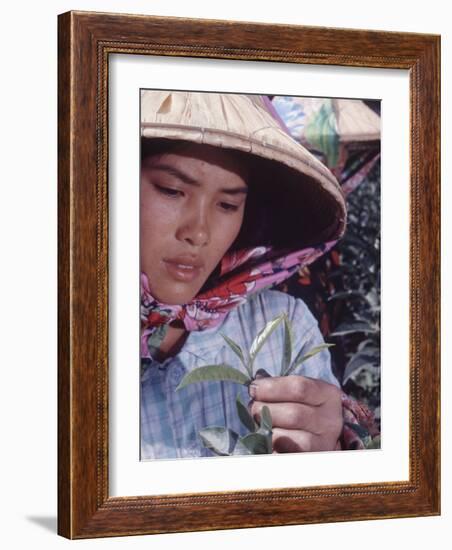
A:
242, 273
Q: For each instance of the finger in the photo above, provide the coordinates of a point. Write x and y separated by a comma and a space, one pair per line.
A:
292, 416
295, 389
293, 441
300, 441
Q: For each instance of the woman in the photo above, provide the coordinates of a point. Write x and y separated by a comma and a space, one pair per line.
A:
230, 206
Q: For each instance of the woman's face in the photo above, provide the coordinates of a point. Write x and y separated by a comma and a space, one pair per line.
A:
191, 206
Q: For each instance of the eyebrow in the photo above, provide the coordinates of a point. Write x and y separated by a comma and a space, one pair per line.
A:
185, 178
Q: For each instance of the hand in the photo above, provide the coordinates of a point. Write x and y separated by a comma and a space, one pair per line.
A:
306, 412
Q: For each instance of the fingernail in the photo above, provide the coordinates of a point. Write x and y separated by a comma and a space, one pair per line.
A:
262, 373
253, 390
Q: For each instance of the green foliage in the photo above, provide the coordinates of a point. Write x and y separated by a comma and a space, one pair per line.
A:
353, 328
374, 443
245, 416
225, 442
214, 372
256, 443
357, 316
302, 358
287, 353
227, 373
238, 351
262, 337
221, 441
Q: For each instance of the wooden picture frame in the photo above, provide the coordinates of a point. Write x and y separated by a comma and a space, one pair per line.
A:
85, 42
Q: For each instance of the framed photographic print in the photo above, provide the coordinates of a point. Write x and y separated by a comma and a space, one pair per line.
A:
248, 275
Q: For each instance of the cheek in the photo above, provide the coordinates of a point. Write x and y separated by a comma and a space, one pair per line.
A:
157, 223
155, 213
227, 233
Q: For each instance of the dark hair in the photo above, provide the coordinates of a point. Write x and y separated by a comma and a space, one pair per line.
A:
158, 146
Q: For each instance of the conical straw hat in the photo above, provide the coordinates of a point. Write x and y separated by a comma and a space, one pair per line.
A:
246, 123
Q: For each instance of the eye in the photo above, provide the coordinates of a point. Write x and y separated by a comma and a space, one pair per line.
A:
228, 207
168, 191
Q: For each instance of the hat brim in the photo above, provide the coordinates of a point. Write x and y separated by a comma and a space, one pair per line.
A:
304, 185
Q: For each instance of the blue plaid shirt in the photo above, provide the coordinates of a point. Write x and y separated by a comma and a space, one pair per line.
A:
171, 420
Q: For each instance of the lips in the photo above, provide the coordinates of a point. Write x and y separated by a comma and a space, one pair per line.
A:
186, 261
183, 268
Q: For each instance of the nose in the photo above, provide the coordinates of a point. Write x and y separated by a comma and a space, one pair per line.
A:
194, 228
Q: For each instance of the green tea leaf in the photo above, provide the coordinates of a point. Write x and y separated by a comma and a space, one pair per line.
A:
219, 440
245, 416
287, 350
360, 361
302, 358
266, 418
367, 342
238, 351
261, 338
256, 443
375, 443
211, 373
373, 298
268, 439
240, 449
352, 328
235, 347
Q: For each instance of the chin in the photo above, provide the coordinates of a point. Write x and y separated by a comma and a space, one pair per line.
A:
174, 298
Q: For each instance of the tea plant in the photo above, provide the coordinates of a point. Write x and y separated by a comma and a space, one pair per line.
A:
357, 327
224, 441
